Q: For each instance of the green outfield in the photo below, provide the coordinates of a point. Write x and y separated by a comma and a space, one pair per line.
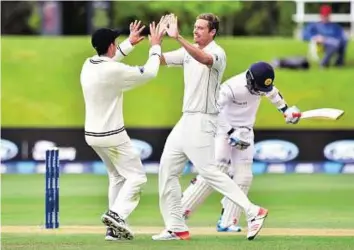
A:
306, 212
40, 83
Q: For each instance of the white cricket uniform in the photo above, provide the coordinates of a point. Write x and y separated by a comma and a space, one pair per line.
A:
193, 136
238, 108
103, 82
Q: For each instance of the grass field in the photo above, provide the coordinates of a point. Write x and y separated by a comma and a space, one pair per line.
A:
41, 75
306, 212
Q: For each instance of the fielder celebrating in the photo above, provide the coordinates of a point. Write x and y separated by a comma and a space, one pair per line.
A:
193, 136
239, 100
103, 82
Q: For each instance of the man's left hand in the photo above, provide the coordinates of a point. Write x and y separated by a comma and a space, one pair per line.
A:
135, 32
292, 115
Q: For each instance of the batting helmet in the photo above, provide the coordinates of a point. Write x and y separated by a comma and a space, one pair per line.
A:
260, 77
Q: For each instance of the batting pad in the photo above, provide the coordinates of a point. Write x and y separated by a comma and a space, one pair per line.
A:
232, 212
194, 195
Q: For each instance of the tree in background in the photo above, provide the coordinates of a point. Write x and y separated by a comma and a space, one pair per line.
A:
15, 17
246, 18
125, 12
240, 18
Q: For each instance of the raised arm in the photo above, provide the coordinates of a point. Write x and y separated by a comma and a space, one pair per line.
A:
123, 49
135, 76
198, 54
127, 46
173, 58
214, 60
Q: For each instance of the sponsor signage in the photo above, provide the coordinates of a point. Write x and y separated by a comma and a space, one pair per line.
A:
31, 144
271, 146
340, 151
8, 150
275, 151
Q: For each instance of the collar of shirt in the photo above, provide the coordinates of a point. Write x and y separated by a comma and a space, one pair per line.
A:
210, 45
104, 58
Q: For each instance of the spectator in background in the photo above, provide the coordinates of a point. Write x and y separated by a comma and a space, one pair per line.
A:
329, 36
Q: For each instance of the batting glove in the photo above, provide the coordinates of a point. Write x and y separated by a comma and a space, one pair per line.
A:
239, 138
292, 115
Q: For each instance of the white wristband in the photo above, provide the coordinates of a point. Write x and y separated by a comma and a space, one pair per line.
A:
125, 47
155, 49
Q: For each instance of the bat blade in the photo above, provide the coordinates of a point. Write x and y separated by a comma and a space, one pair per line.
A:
323, 113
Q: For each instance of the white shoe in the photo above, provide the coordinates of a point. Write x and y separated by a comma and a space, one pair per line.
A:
255, 223
169, 235
113, 220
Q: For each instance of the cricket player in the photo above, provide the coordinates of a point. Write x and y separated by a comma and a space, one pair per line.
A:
193, 136
239, 99
103, 81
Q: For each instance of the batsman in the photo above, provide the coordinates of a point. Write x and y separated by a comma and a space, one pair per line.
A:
238, 103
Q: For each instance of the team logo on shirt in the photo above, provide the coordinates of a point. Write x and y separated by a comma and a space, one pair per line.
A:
187, 59
240, 103
268, 82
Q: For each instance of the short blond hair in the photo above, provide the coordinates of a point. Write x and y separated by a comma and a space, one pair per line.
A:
213, 21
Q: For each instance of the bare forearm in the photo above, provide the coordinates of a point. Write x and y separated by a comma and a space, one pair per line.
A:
162, 60
195, 52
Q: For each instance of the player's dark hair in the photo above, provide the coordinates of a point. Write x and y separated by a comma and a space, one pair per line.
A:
213, 21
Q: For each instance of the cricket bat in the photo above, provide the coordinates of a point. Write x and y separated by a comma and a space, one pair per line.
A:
323, 113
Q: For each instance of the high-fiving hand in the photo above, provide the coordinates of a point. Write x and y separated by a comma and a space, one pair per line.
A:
171, 23
156, 33
135, 36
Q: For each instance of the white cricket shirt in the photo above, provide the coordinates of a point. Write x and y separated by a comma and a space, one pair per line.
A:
103, 82
238, 107
201, 83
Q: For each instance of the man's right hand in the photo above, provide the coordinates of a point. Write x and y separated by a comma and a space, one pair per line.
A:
319, 39
156, 33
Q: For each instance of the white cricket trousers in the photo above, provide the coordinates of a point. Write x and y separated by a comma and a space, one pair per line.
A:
126, 177
192, 138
